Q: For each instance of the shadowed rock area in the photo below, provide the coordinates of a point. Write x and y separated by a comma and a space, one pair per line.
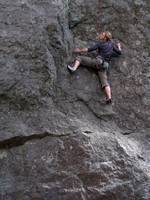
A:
58, 139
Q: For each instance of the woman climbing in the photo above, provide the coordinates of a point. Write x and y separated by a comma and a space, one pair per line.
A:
106, 50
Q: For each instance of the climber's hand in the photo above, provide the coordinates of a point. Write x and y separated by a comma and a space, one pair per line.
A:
119, 45
79, 50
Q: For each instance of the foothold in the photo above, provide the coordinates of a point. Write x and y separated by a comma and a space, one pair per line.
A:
140, 157
88, 132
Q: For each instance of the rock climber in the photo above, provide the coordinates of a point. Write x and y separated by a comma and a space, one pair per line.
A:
106, 49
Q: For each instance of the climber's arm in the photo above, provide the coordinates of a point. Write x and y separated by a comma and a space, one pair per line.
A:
80, 50
94, 47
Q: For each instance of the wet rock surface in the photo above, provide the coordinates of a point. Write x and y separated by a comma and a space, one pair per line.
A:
58, 139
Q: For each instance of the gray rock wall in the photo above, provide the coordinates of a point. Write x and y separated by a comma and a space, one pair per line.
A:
58, 139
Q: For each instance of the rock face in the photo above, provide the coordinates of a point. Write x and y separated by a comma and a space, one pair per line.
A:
58, 139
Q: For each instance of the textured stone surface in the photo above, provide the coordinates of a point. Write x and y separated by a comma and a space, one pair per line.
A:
58, 139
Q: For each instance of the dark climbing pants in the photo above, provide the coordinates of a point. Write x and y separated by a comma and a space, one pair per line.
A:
93, 63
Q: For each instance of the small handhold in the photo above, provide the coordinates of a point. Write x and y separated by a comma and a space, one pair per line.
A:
140, 157
88, 132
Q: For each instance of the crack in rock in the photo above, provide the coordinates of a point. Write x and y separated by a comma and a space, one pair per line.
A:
21, 140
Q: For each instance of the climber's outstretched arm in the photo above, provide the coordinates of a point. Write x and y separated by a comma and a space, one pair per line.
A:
79, 50
92, 48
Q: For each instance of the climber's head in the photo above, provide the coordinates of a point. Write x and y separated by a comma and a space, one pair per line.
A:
105, 36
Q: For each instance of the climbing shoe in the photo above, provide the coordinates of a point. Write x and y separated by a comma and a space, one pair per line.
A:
108, 101
72, 69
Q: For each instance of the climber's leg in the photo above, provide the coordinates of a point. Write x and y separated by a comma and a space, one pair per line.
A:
83, 60
105, 85
75, 66
107, 91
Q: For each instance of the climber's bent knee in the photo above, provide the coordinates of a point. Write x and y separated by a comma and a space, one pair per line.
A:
87, 61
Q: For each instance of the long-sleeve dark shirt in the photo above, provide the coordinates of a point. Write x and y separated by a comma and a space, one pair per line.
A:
105, 49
